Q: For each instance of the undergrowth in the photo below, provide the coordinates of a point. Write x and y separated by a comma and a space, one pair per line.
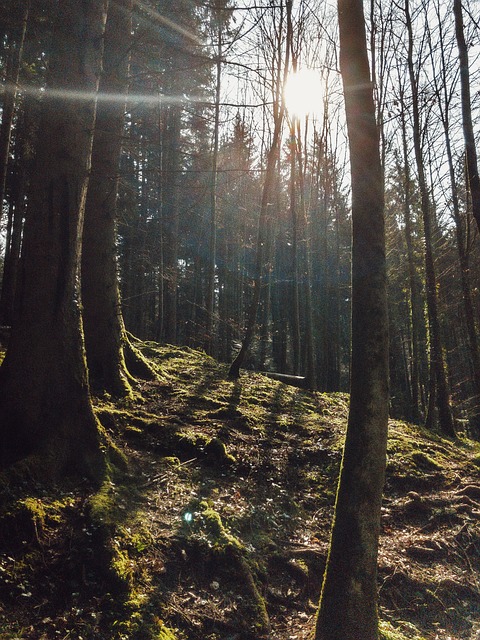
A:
213, 520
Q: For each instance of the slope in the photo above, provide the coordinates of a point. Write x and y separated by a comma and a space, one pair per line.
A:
214, 521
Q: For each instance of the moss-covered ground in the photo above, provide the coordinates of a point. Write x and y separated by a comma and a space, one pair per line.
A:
217, 527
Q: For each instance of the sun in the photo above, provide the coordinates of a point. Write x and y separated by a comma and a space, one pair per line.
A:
303, 93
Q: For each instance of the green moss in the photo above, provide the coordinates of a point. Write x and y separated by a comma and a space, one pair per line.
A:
171, 461
424, 461
389, 632
216, 450
165, 633
476, 460
205, 524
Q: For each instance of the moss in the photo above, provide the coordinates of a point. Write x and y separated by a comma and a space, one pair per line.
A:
476, 460
389, 632
424, 461
164, 633
217, 452
205, 525
171, 461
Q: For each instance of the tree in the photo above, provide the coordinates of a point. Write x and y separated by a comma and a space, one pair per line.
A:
438, 392
45, 406
16, 43
468, 132
444, 92
350, 584
220, 16
106, 341
272, 158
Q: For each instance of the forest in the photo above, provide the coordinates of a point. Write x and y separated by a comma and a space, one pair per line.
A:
239, 320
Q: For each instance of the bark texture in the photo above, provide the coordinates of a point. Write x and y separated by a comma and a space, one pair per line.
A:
473, 175
45, 405
104, 328
348, 604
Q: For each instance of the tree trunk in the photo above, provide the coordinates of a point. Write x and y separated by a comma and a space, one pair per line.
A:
171, 219
348, 604
415, 298
13, 71
295, 310
45, 405
468, 133
212, 252
304, 230
262, 240
23, 165
105, 335
438, 374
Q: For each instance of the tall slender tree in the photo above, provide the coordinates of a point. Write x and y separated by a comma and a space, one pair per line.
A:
272, 159
16, 44
350, 584
468, 131
438, 393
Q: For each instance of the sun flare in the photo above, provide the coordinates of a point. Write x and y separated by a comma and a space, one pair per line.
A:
303, 93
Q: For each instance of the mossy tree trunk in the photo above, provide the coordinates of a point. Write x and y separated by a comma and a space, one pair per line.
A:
348, 604
105, 335
45, 405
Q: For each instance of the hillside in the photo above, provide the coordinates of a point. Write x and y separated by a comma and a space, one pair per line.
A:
214, 522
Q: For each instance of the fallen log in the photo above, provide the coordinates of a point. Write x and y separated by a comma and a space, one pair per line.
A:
295, 381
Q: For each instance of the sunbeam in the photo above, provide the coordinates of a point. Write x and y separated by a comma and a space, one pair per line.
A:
77, 95
167, 22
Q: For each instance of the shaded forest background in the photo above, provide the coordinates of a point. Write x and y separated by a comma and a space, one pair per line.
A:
204, 93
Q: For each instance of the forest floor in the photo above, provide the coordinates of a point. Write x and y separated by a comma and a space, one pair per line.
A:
214, 521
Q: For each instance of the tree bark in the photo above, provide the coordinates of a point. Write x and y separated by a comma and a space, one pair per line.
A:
45, 406
348, 604
415, 298
105, 335
212, 252
468, 133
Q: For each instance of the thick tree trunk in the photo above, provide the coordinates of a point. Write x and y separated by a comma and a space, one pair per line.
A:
348, 604
45, 405
105, 335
